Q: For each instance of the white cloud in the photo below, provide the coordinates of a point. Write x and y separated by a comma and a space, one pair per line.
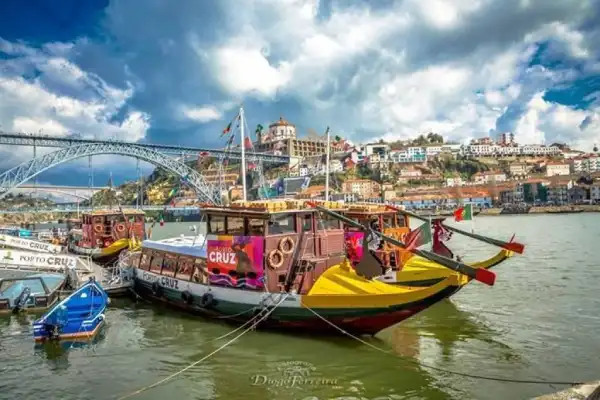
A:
449, 66
201, 114
60, 99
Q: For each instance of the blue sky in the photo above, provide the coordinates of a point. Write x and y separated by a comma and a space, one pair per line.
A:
175, 71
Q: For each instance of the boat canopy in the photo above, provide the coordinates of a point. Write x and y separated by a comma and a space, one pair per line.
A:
182, 245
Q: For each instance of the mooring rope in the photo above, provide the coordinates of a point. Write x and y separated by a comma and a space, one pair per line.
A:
263, 317
443, 370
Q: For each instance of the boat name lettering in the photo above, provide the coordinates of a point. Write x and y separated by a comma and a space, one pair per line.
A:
222, 255
56, 261
149, 277
162, 280
169, 282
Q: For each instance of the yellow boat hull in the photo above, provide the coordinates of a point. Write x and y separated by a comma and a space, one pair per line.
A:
418, 271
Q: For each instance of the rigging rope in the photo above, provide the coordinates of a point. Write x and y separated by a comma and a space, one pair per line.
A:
263, 317
443, 370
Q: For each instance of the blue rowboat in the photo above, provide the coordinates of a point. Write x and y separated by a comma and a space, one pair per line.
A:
79, 316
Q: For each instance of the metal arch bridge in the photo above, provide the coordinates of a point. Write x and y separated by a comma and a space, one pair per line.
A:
61, 192
17, 139
78, 192
74, 209
20, 174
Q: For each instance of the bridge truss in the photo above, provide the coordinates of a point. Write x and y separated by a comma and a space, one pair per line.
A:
16, 139
22, 173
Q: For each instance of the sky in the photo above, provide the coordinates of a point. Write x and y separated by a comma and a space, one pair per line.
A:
164, 71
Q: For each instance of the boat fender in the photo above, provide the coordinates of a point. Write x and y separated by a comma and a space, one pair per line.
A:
120, 228
187, 297
207, 300
156, 289
98, 228
286, 245
275, 259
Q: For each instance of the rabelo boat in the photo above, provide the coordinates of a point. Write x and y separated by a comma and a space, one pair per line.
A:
283, 256
104, 234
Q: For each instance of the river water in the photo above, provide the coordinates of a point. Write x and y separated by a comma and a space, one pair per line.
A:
540, 321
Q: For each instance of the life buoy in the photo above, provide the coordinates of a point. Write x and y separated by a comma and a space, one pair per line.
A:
187, 297
272, 259
120, 228
98, 228
156, 289
286, 245
207, 300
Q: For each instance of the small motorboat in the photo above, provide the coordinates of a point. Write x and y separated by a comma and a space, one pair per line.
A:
33, 293
79, 316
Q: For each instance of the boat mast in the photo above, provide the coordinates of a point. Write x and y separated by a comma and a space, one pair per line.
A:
327, 146
242, 122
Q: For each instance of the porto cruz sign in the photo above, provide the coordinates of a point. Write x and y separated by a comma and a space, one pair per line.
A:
37, 260
26, 244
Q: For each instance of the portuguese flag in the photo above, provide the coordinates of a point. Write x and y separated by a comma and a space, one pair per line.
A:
418, 237
464, 213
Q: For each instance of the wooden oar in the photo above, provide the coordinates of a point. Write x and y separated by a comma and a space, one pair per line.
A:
512, 246
479, 274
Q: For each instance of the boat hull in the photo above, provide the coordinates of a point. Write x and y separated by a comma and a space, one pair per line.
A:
296, 313
418, 272
102, 256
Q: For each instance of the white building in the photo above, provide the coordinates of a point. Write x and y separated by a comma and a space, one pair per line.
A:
279, 130
455, 181
376, 148
489, 177
586, 164
557, 168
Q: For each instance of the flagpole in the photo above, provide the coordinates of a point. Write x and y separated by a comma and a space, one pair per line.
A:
243, 154
327, 146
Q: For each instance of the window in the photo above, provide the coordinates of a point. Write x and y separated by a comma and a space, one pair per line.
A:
185, 267
156, 262
216, 224
200, 275
327, 222
145, 259
256, 227
401, 221
235, 225
388, 222
282, 223
169, 264
307, 223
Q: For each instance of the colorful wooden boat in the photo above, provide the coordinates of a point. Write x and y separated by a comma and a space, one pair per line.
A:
79, 316
400, 266
257, 255
106, 233
33, 293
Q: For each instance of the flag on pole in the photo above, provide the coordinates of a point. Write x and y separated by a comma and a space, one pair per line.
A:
464, 213
259, 128
226, 130
173, 192
418, 237
247, 143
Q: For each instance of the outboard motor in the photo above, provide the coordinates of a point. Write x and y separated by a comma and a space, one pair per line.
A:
21, 300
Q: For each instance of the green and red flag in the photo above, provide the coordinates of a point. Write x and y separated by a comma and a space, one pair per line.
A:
464, 213
418, 237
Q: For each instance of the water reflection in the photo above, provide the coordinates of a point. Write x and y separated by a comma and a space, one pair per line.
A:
56, 353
